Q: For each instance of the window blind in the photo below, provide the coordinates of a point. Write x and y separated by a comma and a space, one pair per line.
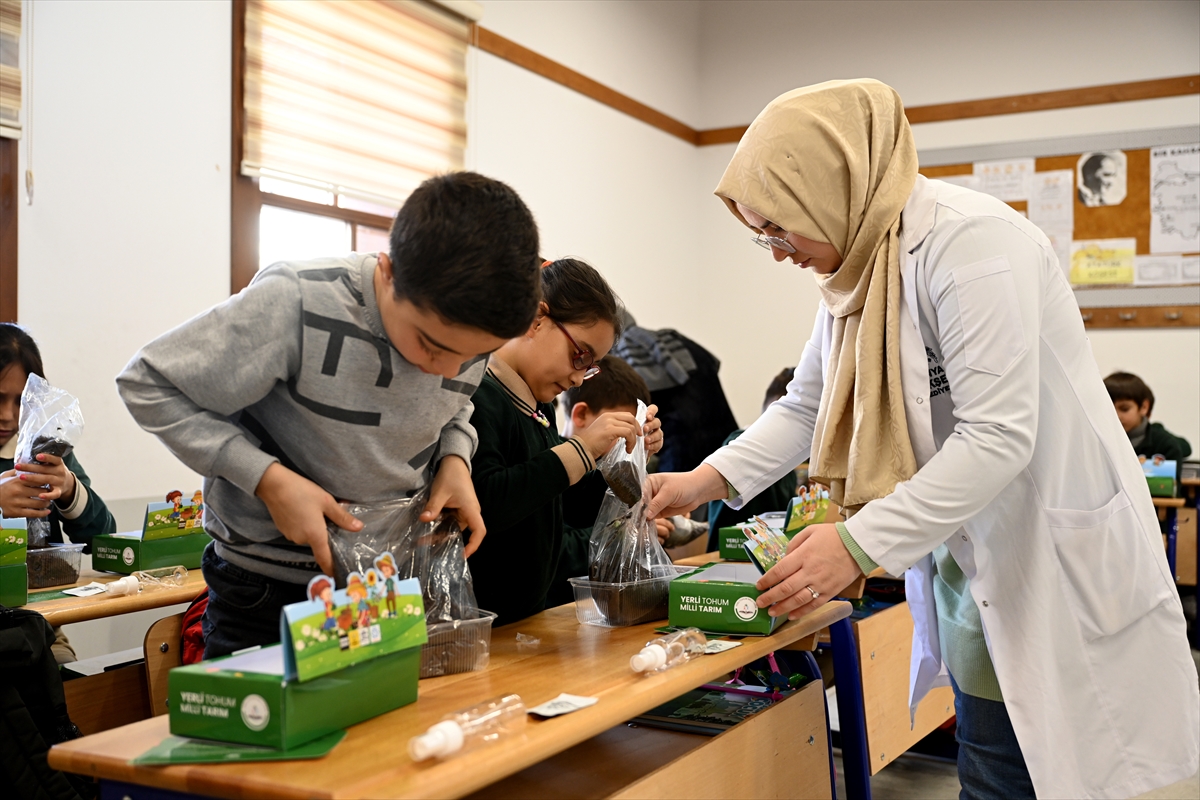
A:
365, 97
10, 69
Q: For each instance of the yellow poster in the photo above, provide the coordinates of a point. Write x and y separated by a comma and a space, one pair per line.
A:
1102, 261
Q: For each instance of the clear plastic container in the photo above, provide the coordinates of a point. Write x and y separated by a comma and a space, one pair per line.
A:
618, 605
462, 645
669, 651
149, 579
470, 728
56, 565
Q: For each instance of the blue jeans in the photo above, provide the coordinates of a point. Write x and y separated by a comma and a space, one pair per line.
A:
990, 764
243, 607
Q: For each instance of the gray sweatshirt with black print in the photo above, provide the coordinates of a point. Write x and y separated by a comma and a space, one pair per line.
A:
297, 369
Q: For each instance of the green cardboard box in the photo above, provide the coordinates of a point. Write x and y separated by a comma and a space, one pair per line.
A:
14, 585
14, 539
729, 544
1160, 476
719, 598
127, 553
246, 699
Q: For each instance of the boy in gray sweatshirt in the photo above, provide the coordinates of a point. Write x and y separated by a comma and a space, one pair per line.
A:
337, 379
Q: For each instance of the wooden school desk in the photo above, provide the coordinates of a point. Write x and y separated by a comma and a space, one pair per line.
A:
63, 609
782, 751
118, 696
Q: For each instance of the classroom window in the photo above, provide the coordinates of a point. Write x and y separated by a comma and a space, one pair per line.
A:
340, 111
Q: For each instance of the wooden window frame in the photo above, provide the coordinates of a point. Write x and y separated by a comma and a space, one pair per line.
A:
247, 199
9, 148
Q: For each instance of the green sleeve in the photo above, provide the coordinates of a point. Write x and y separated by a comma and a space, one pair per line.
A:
862, 559
95, 519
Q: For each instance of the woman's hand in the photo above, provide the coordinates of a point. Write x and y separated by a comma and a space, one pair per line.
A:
299, 509
49, 471
452, 488
652, 430
816, 558
670, 493
20, 499
607, 428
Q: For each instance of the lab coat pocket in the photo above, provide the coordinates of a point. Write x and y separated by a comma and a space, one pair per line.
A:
990, 315
1108, 568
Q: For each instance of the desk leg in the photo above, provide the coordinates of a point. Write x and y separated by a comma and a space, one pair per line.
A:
813, 672
850, 711
1172, 538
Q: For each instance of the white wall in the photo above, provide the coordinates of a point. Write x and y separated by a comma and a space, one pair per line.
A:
932, 52
128, 233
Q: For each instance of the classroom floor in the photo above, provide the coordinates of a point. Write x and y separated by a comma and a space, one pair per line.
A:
916, 777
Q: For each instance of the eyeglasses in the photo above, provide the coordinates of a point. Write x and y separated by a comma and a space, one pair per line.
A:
767, 242
582, 359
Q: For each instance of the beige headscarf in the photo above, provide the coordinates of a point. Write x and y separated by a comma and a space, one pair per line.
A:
835, 162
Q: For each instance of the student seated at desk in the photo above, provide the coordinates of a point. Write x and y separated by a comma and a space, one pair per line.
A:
70, 502
532, 483
340, 378
1134, 401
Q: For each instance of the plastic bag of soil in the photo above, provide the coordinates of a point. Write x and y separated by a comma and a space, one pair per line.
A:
624, 555
50, 423
625, 472
431, 552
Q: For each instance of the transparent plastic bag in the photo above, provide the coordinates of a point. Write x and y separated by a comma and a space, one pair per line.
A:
629, 569
50, 423
432, 552
625, 472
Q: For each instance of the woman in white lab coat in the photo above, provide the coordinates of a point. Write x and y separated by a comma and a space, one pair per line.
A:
949, 398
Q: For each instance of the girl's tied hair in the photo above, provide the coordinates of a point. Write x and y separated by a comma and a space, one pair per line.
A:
18, 347
575, 292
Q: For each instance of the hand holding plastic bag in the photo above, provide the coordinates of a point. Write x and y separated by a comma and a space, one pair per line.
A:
625, 472
50, 423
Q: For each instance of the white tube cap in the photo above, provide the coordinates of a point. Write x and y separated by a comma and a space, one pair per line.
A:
123, 586
442, 739
651, 657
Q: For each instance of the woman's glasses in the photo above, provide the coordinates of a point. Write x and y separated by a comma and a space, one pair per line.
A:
767, 242
582, 359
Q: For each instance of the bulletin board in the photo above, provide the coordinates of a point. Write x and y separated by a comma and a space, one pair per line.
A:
1132, 219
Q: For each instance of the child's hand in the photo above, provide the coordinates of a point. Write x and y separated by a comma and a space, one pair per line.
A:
598, 437
664, 528
20, 499
299, 509
452, 488
49, 470
652, 430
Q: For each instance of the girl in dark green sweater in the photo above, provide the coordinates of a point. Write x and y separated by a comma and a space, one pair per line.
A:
69, 501
532, 483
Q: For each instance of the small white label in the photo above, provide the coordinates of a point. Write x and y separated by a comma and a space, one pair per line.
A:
127, 556
745, 608
563, 704
255, 712
86, 591
719, 646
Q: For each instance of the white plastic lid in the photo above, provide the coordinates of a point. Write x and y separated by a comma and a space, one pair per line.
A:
651, 657
442, 739
123, 586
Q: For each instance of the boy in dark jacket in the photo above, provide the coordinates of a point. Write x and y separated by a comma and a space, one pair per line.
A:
1134, 401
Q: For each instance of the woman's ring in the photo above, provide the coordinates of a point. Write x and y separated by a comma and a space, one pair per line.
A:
815, 593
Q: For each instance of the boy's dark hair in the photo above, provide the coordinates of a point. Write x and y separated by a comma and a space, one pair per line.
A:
576, 293
466, 247
778, 387
618, 384
18, 347
1126, 386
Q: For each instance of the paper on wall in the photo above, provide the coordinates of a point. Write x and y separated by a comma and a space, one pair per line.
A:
1175, 199
1189, 269
1052, 208
1102, 261
1157, 270
1006, 180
